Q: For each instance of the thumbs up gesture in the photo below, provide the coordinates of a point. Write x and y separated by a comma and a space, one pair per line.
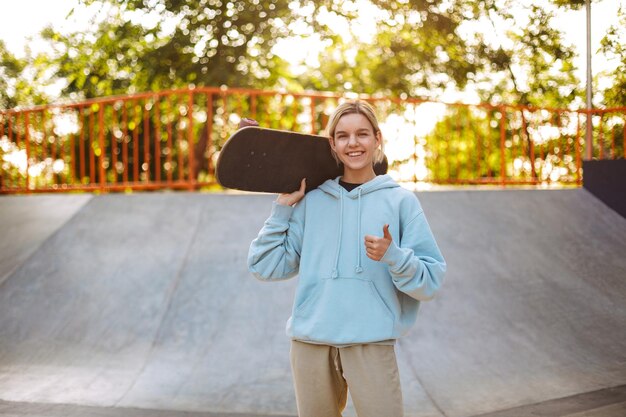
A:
375, 246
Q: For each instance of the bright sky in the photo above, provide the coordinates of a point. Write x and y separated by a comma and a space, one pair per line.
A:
25, 18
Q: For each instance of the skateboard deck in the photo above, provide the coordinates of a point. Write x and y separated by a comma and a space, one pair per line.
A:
275, 161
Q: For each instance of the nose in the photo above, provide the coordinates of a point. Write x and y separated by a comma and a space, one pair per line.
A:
352, 139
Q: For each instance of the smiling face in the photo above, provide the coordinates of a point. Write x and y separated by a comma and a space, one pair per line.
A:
355, 142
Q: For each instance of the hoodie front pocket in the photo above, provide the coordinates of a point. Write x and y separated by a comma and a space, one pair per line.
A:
343, 310
308, 301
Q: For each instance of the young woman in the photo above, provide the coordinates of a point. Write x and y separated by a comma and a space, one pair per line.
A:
366, 257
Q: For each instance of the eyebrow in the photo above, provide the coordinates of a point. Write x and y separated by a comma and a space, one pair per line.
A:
362, 129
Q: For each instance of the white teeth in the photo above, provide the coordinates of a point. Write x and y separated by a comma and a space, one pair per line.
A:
355, 153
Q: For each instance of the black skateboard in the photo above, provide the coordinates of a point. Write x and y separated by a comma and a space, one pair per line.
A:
275, 161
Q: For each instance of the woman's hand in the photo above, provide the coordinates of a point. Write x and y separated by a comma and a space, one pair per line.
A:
290, 199
375, 246
245, 122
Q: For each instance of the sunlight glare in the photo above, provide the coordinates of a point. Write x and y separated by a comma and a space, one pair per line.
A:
65, 123
13, 156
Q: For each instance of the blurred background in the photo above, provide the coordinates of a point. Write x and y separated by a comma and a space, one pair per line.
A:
144, 93
524, 52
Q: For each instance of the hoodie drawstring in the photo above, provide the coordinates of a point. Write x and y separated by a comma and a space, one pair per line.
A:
334, 189
336, 358
358, 268
335, 272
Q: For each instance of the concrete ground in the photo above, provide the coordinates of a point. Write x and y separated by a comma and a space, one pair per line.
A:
133, 305
609, 402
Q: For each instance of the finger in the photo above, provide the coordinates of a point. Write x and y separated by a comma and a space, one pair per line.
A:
370, 247
245, 122
373, 256
302, 185
386, 233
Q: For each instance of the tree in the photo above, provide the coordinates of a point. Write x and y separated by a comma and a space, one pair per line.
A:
613, 45
11, 84
138, 45
415, 50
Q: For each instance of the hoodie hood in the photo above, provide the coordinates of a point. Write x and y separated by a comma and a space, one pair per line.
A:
333, 187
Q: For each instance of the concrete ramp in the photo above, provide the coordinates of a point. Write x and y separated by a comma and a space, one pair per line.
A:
27, 221
144, 301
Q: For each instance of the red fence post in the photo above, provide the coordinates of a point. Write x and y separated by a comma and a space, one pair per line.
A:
312, 108
81, 145
157, 138
579, 178
135, 122
170, 141
146, 139
92, 159
192, 178
590, 130
209, 129
27, 142
125, 136
115, 128
72, 164
502, 147
101, 146
613, 142
601, 137
253, 106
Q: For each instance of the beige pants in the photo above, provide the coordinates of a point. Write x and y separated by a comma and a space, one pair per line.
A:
322, 375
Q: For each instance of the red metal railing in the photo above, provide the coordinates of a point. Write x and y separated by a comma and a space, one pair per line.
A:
171, 139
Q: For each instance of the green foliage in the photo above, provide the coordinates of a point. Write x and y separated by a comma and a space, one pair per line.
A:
157, 45
533, 66
527, 146
613, 45
414, 47
571, 4
423, 48
13, 87
9, 70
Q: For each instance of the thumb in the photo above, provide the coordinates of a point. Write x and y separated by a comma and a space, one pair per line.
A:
386, 233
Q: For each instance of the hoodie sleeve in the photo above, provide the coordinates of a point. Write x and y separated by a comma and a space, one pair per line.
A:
275, 253
416, 265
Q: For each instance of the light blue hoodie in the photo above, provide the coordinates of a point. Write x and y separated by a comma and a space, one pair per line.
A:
344, 297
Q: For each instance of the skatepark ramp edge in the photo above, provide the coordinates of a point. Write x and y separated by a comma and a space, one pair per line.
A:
144, 301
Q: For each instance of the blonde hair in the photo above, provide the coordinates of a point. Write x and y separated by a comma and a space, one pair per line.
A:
356, 107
